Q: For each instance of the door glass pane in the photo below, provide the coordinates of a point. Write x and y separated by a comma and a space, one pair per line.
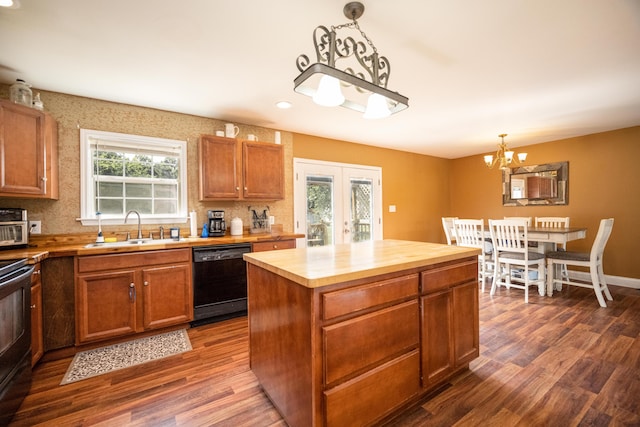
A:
361, 209
320, 204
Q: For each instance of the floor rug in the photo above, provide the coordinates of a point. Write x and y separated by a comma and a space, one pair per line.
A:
87, 364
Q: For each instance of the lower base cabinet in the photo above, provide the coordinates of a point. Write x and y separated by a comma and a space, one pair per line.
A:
123, 294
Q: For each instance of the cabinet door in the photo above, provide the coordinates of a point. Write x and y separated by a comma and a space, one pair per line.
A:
219, 168
37, 343
105, 305
437, 337
28, 142
466, 324
263, 170
167, 295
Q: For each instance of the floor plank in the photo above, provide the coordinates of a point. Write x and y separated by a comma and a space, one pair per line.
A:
555, 361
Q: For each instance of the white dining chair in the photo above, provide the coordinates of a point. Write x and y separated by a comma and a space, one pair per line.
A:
470, 233
526, 218
510, 248
592, 260
556, 222
447, 224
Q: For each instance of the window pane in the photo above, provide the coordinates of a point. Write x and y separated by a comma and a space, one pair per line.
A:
109, 189
142, 206
110, 206
319, 211
165, 191
165, 167
138, 166
137, 190
361, 209
165, 207
107, 167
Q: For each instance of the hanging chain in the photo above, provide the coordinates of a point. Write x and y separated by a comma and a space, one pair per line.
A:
357, 27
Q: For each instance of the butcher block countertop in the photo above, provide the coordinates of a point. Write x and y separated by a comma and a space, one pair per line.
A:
326, 265
61, 246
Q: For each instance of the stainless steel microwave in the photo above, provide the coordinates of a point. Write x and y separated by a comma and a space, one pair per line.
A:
14, 228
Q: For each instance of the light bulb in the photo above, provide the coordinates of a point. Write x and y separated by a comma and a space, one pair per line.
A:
328, 93
377, 107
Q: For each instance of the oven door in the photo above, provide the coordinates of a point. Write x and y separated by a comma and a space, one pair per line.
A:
15, 340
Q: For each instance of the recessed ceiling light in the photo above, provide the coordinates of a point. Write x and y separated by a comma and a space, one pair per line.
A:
283, 104
10, 4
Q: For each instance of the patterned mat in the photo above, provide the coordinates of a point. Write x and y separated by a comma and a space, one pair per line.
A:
87, 364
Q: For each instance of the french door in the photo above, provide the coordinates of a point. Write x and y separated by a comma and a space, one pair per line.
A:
336, 203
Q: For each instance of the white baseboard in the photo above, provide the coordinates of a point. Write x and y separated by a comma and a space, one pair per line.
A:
627, 282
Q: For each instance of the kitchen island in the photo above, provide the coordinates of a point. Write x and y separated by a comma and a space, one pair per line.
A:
353, 334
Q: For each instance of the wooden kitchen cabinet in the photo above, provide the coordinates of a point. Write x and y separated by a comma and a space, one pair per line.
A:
450, 324
240, 170
29, 146
37, 341
124, 294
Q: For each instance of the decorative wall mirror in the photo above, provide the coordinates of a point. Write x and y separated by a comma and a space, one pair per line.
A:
536, 185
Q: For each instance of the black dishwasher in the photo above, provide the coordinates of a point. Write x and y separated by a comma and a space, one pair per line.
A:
219, 282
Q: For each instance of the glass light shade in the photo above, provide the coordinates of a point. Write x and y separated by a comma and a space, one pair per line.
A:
522, 157
377, 107
509, 156
328, 93
488, 159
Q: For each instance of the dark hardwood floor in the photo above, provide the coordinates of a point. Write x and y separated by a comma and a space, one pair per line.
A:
560, 361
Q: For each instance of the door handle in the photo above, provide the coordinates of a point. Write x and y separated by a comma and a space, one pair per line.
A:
132, 292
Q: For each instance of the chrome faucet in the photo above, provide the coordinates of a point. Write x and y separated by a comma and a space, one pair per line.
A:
139, 227
161, 232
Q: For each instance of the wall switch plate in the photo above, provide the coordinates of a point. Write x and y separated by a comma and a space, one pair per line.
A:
392, 208
35, 227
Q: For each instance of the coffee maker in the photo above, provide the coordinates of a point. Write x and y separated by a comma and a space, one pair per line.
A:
217, 226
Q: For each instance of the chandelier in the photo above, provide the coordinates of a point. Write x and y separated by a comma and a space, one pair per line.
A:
504, 156
364, 75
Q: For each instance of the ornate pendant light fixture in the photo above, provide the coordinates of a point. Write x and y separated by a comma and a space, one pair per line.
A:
504, 156
362, 83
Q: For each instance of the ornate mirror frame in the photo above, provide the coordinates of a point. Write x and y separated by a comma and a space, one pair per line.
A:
536, 185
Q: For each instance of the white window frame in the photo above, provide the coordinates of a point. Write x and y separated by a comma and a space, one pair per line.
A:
88, 139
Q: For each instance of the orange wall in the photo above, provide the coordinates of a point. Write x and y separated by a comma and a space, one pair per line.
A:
417, 185
603, 180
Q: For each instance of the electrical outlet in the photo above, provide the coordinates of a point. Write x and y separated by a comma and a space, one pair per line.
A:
35, 227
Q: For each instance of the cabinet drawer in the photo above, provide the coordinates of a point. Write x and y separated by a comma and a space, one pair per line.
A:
373, 395
351, 300
273, 245
132, 260
358, 343
445, 277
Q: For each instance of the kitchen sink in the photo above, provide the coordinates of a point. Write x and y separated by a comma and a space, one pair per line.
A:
131, 242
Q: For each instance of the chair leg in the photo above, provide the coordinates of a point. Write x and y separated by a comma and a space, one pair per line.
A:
596, 286
603, 283
494, 282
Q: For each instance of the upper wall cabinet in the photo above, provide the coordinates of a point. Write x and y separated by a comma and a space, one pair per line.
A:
29, 149
240, 170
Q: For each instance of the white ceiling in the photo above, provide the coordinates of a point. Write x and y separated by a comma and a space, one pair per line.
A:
538, 70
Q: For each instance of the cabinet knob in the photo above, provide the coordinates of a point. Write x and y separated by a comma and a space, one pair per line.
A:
245, 188
275, 246
44, 178
146, 283
33, 306
36, 272
237, 188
